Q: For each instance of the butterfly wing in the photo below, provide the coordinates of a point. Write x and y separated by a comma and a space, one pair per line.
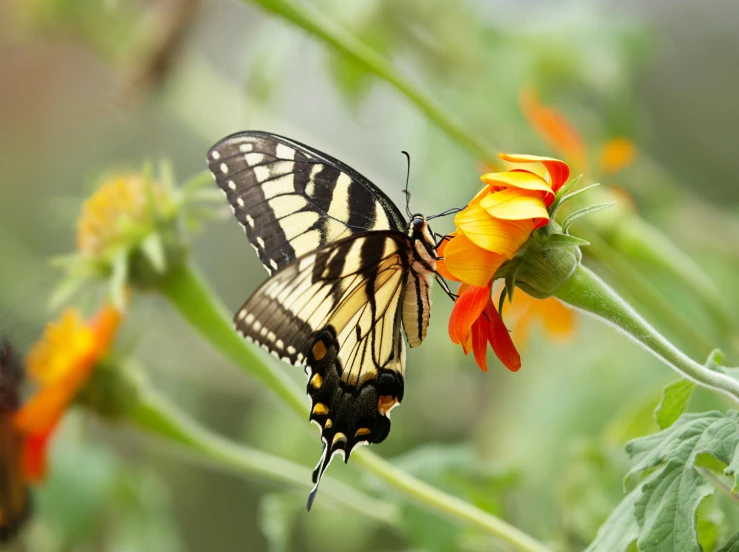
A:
15, 499
337, 312
292, 199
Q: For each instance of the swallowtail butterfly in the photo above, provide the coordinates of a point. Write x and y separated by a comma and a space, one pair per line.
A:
347, 271
15, 499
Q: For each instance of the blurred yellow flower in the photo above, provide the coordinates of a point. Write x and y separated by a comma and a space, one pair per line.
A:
118, 206
557, 320
60, 364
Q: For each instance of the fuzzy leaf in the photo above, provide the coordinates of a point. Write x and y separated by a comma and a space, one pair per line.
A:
675, 398
663, 507
582, 212
620, 529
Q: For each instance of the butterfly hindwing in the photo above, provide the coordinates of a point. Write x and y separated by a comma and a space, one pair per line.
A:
292, 199
337, 312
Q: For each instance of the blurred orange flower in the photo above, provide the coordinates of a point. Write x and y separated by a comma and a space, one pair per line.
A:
490, 230
563, 137
60, 363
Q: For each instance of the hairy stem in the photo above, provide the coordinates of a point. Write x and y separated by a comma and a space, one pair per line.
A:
586, 291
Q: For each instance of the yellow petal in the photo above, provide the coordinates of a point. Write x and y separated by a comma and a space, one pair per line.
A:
513, 204
558, 170
524, 180
469, 263
494, 235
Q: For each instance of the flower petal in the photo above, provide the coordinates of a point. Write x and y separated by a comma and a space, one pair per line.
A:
495, 235
35, 448
480, 342
517, 178
555, 128
514, 204
441, 265
467, 308
617, 154
558, 170
501, 340
469, 263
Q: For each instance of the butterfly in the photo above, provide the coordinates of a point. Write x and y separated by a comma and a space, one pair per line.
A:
15, 500
347, 272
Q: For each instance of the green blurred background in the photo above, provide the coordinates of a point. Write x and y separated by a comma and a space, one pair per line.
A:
90, 86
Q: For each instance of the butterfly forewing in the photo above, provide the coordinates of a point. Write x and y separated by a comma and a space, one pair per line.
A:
292, 199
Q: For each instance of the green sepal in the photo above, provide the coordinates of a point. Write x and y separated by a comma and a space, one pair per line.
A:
582, 212
565, 240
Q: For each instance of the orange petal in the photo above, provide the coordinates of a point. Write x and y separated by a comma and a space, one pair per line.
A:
494, 235
35, 449
501, 340
469, 263
617, 154
555, 128
559, 320
514, 204
558, 170
441, 265
467, 309
479, 336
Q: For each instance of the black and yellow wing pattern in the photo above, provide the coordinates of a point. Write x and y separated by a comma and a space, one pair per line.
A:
347, 273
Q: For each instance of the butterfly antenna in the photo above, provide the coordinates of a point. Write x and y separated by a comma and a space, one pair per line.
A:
406, 192
451, 211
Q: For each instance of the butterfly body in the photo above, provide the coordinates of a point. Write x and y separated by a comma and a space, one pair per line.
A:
347, 272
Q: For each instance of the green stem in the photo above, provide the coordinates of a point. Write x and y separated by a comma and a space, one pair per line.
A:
586, 291
445, 504
643, 291
155, 414
303, 15
191, 296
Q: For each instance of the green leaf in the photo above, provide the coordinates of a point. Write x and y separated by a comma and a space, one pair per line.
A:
559, 240
675, 398
714, 360
620, 529
663, 506
732, 545
582, 212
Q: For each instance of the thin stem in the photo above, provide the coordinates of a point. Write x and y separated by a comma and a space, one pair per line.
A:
188, 292
192, 297
303, 15
643, 291
585, 290
445, 504
155, 414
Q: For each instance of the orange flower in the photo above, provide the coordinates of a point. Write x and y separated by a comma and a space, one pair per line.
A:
563, 137
490, 231
60, 363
